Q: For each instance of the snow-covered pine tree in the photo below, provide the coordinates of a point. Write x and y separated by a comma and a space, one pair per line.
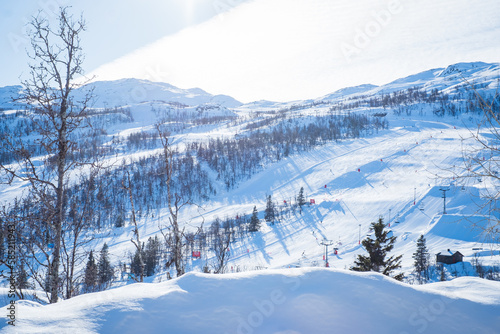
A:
378, 249
254, 221
421, 257
442, 273
151, 255
300, 198
269, 213
90, 278
22, 278
136, 264
104, 268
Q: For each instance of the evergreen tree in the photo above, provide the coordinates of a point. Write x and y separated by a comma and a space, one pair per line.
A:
151, 255
120, 221
22, 278
135, 263
104, 268
421, 257
442, 273
269, 213
90, 279
254, 221
378, 249
301, 199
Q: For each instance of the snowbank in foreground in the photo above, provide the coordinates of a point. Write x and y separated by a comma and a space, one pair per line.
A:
278, 301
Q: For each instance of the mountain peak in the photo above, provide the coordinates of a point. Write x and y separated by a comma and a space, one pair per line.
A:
133, 91
462, 68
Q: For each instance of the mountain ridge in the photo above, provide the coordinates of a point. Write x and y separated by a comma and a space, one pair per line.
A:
131, 91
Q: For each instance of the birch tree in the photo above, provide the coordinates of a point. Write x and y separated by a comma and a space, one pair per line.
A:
56, 117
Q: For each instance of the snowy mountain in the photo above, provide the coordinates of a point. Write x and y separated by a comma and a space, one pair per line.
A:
349, 91
360, 153
7, 95
456, 76
130, 92
133, 91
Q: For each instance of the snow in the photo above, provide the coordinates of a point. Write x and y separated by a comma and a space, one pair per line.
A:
273, 301
358, 90
133, 91
7, 94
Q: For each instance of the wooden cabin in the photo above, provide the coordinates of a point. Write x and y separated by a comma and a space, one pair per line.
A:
448, 257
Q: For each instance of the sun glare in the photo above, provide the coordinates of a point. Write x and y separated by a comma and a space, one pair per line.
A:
189, 6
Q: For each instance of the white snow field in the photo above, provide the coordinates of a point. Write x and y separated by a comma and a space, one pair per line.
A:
282, 301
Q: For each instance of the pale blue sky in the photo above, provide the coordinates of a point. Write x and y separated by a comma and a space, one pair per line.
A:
114, 28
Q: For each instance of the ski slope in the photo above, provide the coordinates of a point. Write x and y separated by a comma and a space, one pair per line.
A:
397, 168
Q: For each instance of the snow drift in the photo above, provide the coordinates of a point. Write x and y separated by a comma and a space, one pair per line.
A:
309, 300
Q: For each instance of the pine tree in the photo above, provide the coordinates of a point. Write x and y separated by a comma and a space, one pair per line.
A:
22, 278
151, 255
301, 199
104, 268
90, 279
442, 273
269, 212
378, 249
135, 263
254, 221
421, 257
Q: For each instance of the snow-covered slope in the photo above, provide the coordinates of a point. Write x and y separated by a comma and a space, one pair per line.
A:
341, 93
133, 91
7, 95
450, 79
279, 301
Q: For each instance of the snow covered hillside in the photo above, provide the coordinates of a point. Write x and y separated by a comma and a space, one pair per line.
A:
360, 153
275, 301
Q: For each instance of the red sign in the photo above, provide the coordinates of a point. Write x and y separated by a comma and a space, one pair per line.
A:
312, 201
196, 254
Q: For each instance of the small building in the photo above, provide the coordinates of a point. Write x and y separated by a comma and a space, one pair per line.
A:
448, 257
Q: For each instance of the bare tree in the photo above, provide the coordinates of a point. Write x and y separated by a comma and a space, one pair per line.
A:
482, 162
175, 238
220, 246
75, 237
137, 242
57, 58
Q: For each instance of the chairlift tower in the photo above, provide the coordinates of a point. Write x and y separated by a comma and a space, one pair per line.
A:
444, 190
359, 239
326, 243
